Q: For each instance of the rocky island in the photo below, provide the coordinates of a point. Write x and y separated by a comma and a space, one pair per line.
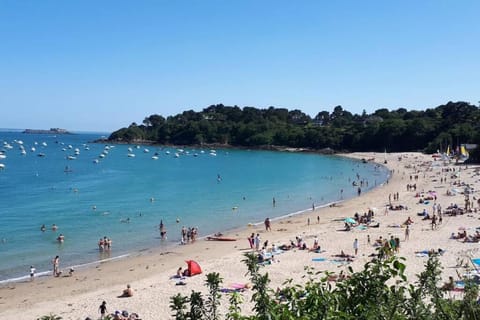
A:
50, 131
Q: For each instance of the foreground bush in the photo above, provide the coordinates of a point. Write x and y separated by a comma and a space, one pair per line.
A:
380, 291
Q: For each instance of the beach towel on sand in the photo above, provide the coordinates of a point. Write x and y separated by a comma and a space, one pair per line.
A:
319, 259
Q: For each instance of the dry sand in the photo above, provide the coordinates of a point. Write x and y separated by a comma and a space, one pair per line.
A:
148, 273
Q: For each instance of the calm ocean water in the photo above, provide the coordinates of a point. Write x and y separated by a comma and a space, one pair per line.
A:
89, 200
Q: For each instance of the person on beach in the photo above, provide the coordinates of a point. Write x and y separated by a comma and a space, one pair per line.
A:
56, 264
251, 241
163, 232
407, 232
273, 201
257, 242
268, 226
128, 292
355, 246
32, 273
103, 310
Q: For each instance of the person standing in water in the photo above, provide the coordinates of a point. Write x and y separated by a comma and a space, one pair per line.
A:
163, 232
32, 273
56, 265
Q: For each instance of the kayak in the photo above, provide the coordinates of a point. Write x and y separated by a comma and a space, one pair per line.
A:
220, 239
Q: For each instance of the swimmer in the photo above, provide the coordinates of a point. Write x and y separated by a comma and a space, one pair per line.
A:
54, 227
94, 207
125, 220
178, 220
61, 238
43, 228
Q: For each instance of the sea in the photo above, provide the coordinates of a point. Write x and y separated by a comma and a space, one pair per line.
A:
90, 190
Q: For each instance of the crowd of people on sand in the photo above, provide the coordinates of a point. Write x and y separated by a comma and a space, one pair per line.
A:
188, 234
117, 315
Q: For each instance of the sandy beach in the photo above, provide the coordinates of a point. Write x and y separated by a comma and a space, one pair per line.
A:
80, 295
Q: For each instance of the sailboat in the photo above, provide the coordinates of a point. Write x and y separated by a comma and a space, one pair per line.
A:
446, 156
464, 155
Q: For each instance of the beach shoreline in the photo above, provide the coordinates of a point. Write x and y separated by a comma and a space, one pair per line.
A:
79, 295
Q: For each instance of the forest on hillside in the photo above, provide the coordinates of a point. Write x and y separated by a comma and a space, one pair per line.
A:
397, 130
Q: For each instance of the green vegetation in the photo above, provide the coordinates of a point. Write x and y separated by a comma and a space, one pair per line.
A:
398, 130
379, 291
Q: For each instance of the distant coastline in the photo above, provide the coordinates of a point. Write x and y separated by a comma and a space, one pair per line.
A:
50, 131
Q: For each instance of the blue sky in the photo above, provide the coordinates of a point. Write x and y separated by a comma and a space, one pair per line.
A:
100, 65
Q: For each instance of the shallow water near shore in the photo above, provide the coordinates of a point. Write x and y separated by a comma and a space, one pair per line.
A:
125, 197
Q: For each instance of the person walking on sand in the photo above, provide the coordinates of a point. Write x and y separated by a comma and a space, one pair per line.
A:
103, 310
407, 232
355, 246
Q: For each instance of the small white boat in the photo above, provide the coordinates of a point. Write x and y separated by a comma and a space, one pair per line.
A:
96, 161
41, 155
155, 158
23, 152
130, 149
131, 155
33, 149
146, 150
71, 158
102, 155
167, 152
44, 144
2, 166
2, 156
177, 155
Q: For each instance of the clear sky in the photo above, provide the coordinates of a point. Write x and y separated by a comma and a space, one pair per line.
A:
101, 65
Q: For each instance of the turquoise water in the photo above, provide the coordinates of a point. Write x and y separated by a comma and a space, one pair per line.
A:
89, 200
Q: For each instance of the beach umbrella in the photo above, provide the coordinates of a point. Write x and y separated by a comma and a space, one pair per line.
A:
350, 220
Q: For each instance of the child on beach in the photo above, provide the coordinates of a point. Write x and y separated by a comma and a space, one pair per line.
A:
32, 273
103, 309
